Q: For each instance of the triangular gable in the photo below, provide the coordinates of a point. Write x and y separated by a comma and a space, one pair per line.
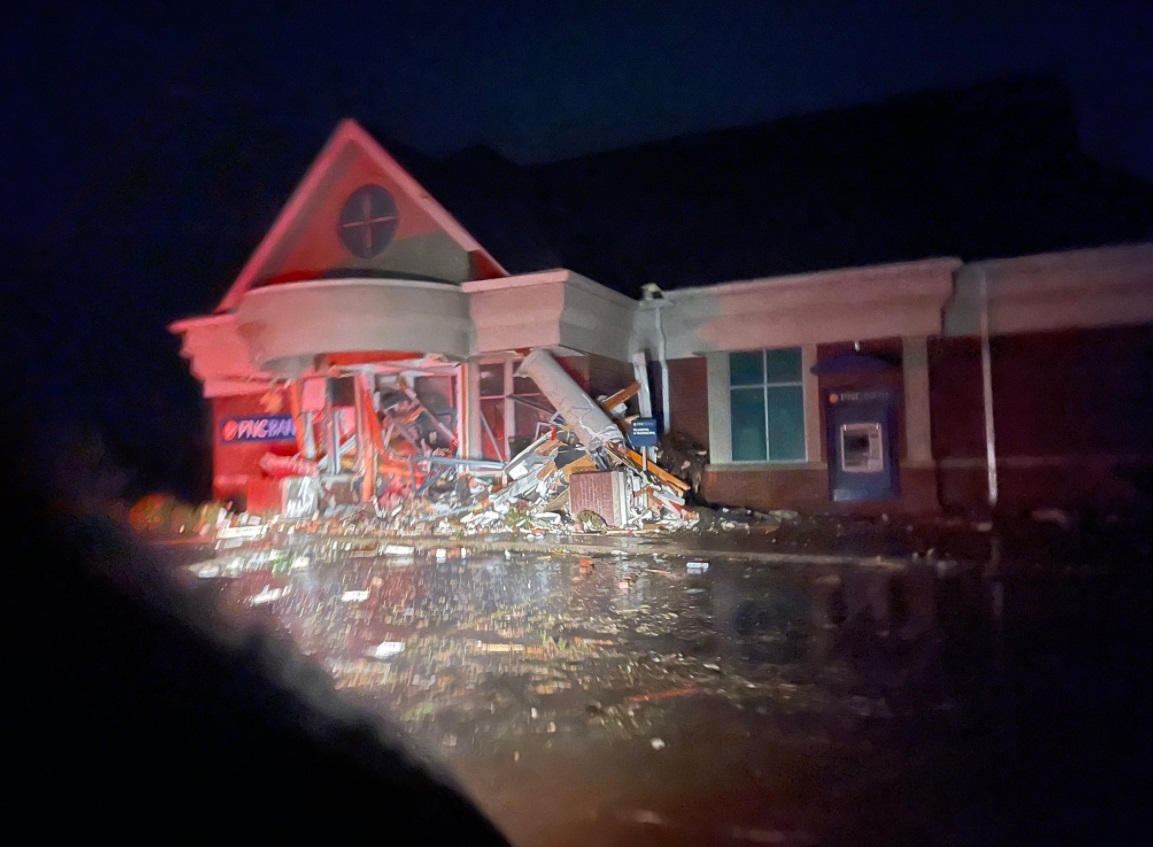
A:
358, 210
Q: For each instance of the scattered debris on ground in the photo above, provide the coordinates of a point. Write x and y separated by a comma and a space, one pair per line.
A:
163, 514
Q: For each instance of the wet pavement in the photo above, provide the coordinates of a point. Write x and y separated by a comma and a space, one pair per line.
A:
656, 698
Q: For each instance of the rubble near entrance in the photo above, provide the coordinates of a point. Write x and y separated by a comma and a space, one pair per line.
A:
384, 460
558, 484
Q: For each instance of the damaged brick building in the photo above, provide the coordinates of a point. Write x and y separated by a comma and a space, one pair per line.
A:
823, 362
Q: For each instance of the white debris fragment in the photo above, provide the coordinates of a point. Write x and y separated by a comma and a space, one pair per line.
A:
354, 596
268, 594
657, 743
385, 649
697, 567
233, 532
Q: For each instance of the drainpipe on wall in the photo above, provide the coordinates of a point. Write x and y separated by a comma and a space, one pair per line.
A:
641, 375
644, 396
987, 385
653, 293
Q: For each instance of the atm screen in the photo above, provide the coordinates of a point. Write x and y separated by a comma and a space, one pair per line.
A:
862, 448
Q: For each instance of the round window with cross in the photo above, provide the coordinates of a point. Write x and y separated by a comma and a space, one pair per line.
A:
368, 221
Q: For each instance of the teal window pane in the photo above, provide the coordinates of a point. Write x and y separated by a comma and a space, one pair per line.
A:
786, 416
783, 365
748, 419
746, 368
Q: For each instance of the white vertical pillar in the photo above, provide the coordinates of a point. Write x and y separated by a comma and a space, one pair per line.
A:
508, 368
468, 415
720, 414
918, 429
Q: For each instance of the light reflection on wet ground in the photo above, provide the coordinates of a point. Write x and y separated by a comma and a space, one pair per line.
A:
637, 699
476, 648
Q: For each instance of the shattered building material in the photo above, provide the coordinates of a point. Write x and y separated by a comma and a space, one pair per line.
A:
370, 444
614, 404
604, 492
636, 461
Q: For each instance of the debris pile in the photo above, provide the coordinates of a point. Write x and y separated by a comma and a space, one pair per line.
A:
384, 456
580, 474
557, 484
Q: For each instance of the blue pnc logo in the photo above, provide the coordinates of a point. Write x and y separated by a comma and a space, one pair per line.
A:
263, 428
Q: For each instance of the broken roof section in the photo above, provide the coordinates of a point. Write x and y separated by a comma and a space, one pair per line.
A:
357, 212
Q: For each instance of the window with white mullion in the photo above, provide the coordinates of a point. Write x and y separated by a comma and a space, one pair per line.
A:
766, 406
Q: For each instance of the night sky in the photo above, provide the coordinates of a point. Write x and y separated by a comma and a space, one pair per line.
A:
128, 127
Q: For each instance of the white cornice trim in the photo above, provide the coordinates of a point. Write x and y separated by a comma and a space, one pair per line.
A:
838, 276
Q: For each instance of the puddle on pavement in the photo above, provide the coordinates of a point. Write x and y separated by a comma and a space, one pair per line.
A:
474, 649
653, 698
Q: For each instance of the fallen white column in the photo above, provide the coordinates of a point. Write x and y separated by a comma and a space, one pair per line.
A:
588, 420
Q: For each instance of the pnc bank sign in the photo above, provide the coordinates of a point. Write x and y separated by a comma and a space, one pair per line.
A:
262, 428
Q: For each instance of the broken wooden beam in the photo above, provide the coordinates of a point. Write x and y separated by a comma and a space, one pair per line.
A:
637, 460
622, 396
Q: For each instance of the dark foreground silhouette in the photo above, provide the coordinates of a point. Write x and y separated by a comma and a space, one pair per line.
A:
131, 707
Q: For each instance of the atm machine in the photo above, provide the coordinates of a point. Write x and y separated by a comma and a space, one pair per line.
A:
862, 444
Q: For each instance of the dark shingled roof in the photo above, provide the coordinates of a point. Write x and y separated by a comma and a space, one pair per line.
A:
984, 172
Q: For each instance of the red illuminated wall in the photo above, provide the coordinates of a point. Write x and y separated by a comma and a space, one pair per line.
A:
233, 464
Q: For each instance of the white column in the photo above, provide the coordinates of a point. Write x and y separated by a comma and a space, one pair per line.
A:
918, 432
720, 415
587, 419
469, 414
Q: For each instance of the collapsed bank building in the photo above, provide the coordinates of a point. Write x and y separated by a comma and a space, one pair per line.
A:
371, 345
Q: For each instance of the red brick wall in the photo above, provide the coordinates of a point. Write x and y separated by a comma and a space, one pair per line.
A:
803, 489
955, 399
807, 490
1086, 392
1073, 413
608, 376
688, 398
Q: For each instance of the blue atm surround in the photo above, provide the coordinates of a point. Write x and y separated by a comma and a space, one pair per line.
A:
861, 428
